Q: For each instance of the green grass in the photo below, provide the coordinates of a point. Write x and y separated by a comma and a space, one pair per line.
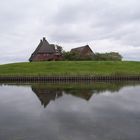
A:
70, 68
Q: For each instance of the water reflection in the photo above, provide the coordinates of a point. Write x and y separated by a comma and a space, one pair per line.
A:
51, 92
45, 95
84, 111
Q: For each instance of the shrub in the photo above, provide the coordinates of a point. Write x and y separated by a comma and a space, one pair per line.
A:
112, 56
73, 56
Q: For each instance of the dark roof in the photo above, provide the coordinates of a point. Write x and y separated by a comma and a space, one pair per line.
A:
45, 47
81, 49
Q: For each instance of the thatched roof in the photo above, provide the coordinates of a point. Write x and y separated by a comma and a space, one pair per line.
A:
42, 48
82, 50
45, 47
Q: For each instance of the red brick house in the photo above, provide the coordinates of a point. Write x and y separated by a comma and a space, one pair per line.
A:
46, 52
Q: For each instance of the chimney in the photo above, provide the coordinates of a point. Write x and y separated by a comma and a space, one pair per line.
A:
44, 39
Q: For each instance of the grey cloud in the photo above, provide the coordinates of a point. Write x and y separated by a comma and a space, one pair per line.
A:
24, 23
107, 19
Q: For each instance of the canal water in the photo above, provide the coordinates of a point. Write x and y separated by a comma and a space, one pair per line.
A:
70, 111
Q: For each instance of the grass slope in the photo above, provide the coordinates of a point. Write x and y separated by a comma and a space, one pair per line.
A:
69, 68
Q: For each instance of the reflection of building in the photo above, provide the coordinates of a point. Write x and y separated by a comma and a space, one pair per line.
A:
46, 95
84, 94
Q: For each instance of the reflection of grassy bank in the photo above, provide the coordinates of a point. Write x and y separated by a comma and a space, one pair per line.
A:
47, 92
70, 68
95, 86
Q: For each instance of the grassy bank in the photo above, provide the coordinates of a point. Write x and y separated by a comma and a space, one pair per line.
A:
70, 68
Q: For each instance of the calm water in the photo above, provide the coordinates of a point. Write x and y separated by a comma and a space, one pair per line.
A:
94, 111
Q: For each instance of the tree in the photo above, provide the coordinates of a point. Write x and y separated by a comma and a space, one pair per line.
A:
59, 49
75, 56
70, 56
111, 56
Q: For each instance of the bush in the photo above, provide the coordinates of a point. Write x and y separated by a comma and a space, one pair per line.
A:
73, 56
112, 56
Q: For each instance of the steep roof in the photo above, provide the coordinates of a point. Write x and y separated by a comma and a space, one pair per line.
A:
45, 47
81, 49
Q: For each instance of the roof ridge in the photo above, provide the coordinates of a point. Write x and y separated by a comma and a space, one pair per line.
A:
80, 47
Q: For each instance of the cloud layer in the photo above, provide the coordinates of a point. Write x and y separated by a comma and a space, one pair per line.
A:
106, 25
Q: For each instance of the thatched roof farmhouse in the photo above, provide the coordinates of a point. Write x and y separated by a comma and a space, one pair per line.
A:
49, 52
83, 51
46, 52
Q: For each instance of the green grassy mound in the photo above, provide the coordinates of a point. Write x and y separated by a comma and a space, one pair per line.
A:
71, 68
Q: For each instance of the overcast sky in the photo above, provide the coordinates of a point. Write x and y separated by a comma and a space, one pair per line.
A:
106, 25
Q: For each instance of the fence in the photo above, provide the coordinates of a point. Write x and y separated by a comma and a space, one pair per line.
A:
67, 78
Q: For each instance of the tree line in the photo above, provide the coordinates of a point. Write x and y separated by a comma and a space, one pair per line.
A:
109, 56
